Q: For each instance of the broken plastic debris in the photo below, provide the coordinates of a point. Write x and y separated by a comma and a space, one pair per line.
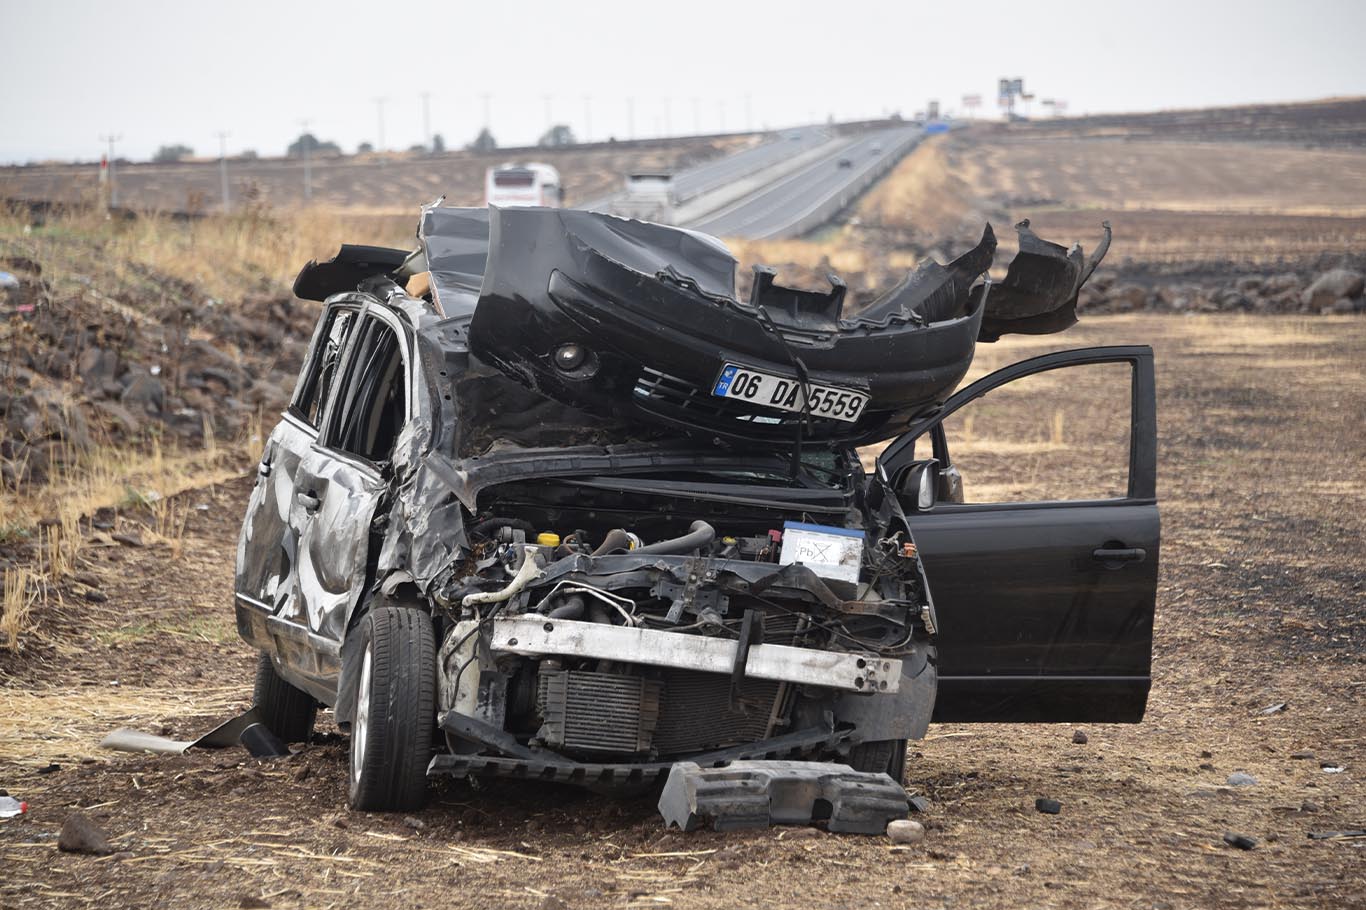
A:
755, 794
10, 807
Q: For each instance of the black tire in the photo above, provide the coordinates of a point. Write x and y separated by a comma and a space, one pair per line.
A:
391, 731
286, 711
885, 755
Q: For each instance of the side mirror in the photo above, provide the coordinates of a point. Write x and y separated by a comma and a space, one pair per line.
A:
921, 485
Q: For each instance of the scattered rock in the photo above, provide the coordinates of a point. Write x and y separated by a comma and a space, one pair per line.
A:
50, 768
551, 902
303, 773
79, 835
1241, 779
1309, 806
127, 539
1048, 806
905, 831
1305, 755
251, 902
1330, 286
96, 597
145, 392
1206, 754
416, 824
1080, 738
1241, 841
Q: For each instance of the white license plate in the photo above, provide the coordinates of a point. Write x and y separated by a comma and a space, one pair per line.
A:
785, 393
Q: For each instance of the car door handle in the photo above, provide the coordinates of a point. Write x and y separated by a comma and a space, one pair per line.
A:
1120, 554
263, 469
308, 500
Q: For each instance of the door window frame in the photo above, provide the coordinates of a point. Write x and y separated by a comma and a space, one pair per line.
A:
325, 435
313, 363
1142, 486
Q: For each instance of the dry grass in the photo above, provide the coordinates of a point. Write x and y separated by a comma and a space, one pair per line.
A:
22, 591
220, 256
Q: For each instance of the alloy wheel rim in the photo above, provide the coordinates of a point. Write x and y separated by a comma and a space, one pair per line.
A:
360, 726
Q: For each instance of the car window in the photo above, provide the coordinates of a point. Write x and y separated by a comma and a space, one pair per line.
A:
371, 404
1059, 435
319, 372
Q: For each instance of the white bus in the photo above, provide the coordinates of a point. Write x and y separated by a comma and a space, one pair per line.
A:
523, 184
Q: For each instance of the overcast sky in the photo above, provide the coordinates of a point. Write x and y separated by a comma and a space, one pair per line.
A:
180, 71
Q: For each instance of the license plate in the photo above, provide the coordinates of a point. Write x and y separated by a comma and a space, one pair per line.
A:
785, 393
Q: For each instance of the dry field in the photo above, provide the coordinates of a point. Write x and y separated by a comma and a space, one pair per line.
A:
393, 184
1261, 593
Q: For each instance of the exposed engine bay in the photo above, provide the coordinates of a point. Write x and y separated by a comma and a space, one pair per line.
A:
592, 628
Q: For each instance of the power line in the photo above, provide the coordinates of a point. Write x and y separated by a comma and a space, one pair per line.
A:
223, 167
305, 139
427, 119
112, 138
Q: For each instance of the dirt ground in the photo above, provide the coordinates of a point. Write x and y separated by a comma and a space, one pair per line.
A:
1262, 589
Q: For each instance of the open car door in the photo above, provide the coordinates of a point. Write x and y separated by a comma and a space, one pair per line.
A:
1041, 546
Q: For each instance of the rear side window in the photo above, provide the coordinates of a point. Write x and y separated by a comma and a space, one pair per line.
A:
372, 398
320, 371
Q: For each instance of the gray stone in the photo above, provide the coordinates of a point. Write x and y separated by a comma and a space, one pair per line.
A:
1080, 738
80, 835
145, 391
1048, 806
1241, 779
1332, 285
905, 831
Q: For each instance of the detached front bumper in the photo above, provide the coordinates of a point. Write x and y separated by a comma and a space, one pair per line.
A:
538, 637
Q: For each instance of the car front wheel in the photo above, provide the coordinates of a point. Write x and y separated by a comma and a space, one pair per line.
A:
391, 732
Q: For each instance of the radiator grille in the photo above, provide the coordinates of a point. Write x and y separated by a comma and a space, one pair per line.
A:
597, 712
697, 713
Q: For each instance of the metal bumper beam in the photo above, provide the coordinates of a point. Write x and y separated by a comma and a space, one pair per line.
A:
537, 636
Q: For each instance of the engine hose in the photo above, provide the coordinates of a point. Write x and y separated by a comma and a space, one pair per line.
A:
616, 539
488, 525
572, 608
698, 536
524, 577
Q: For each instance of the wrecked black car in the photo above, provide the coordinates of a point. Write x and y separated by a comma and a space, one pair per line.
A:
551, 501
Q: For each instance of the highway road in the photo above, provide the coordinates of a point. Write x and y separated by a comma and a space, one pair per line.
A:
715, 174
781, 208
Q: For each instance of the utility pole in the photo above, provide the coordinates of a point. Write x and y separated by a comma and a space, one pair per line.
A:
427, 120
587, 117
112, 138
304, 139
379, 118
223, 167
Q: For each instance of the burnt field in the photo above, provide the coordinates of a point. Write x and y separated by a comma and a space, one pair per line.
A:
1263, 502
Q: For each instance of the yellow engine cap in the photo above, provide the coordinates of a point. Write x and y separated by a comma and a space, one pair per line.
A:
547, 539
